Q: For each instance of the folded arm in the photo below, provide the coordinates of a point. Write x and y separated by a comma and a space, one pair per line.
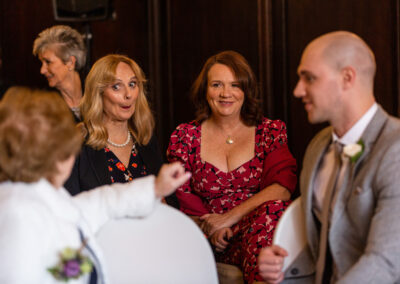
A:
278, 182
213, 222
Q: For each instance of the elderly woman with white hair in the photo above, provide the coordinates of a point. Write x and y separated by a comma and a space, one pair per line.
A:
61, 49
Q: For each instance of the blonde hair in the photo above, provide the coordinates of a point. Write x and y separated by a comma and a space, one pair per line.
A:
66, 42
102, 74
37, 130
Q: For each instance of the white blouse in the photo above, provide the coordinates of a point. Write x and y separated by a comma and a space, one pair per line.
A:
38, 221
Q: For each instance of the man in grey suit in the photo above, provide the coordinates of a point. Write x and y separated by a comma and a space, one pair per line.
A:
360, 214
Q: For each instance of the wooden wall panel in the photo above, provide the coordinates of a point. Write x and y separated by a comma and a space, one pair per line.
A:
20, 22
374, 21
171, 39
198, 29
125, 33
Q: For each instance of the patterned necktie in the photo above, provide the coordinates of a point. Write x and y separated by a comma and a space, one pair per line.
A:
337, 148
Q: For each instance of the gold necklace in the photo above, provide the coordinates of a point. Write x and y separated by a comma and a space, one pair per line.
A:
229, 140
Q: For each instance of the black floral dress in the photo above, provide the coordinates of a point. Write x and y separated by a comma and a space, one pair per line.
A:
119, 172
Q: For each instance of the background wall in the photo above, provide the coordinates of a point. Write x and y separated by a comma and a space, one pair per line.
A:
171, 39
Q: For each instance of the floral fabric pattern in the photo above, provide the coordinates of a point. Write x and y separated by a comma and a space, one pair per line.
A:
122, 174
211, 190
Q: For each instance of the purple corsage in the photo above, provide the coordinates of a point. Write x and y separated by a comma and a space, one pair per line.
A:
72, 265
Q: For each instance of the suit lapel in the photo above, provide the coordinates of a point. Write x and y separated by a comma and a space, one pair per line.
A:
371, 134
369, 138
315, 153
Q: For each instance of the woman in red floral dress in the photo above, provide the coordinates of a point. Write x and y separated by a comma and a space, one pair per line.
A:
242, 171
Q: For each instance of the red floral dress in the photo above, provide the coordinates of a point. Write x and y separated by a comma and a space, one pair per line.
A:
211, 190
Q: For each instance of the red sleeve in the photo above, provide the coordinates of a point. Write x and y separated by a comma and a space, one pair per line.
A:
179, 149
279, 164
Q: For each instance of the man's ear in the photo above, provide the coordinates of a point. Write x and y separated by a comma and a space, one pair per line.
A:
349, 75
71, 63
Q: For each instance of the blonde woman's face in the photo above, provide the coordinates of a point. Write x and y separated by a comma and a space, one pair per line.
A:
119, 98
54, 69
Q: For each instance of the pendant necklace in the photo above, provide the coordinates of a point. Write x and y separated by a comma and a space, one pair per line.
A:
229, 140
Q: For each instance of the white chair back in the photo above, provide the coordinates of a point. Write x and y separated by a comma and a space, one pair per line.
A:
290, 232
165, 247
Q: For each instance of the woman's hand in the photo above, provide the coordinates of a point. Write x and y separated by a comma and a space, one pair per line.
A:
213, 222
220, 239
196, 219
170, 177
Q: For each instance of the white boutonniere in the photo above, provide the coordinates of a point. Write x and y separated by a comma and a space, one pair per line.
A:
354, 151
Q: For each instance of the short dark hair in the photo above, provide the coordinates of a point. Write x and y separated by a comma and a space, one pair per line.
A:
251, 112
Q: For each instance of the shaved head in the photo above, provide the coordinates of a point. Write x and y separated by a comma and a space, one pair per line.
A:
336, 80
340, 49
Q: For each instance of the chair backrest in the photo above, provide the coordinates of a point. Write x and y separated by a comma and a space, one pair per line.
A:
290, 232
165, 247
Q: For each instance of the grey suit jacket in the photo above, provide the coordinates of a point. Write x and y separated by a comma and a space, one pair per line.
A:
364, 236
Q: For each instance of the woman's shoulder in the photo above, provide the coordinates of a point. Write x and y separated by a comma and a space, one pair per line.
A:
188, 126
272, 124
189, 130
21, 201
87, 151
185, 136
272, 131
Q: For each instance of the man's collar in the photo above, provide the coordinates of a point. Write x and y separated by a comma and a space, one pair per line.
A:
354, 133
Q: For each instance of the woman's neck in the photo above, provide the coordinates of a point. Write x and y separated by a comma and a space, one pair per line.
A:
117, 130
72, 91
225, 124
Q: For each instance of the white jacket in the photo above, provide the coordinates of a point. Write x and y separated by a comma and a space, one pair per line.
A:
37, 221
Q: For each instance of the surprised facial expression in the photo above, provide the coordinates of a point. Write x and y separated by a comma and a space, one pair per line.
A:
119, 98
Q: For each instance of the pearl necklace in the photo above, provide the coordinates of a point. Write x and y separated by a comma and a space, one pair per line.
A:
128, 139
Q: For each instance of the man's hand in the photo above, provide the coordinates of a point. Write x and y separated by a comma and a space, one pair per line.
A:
270, 264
